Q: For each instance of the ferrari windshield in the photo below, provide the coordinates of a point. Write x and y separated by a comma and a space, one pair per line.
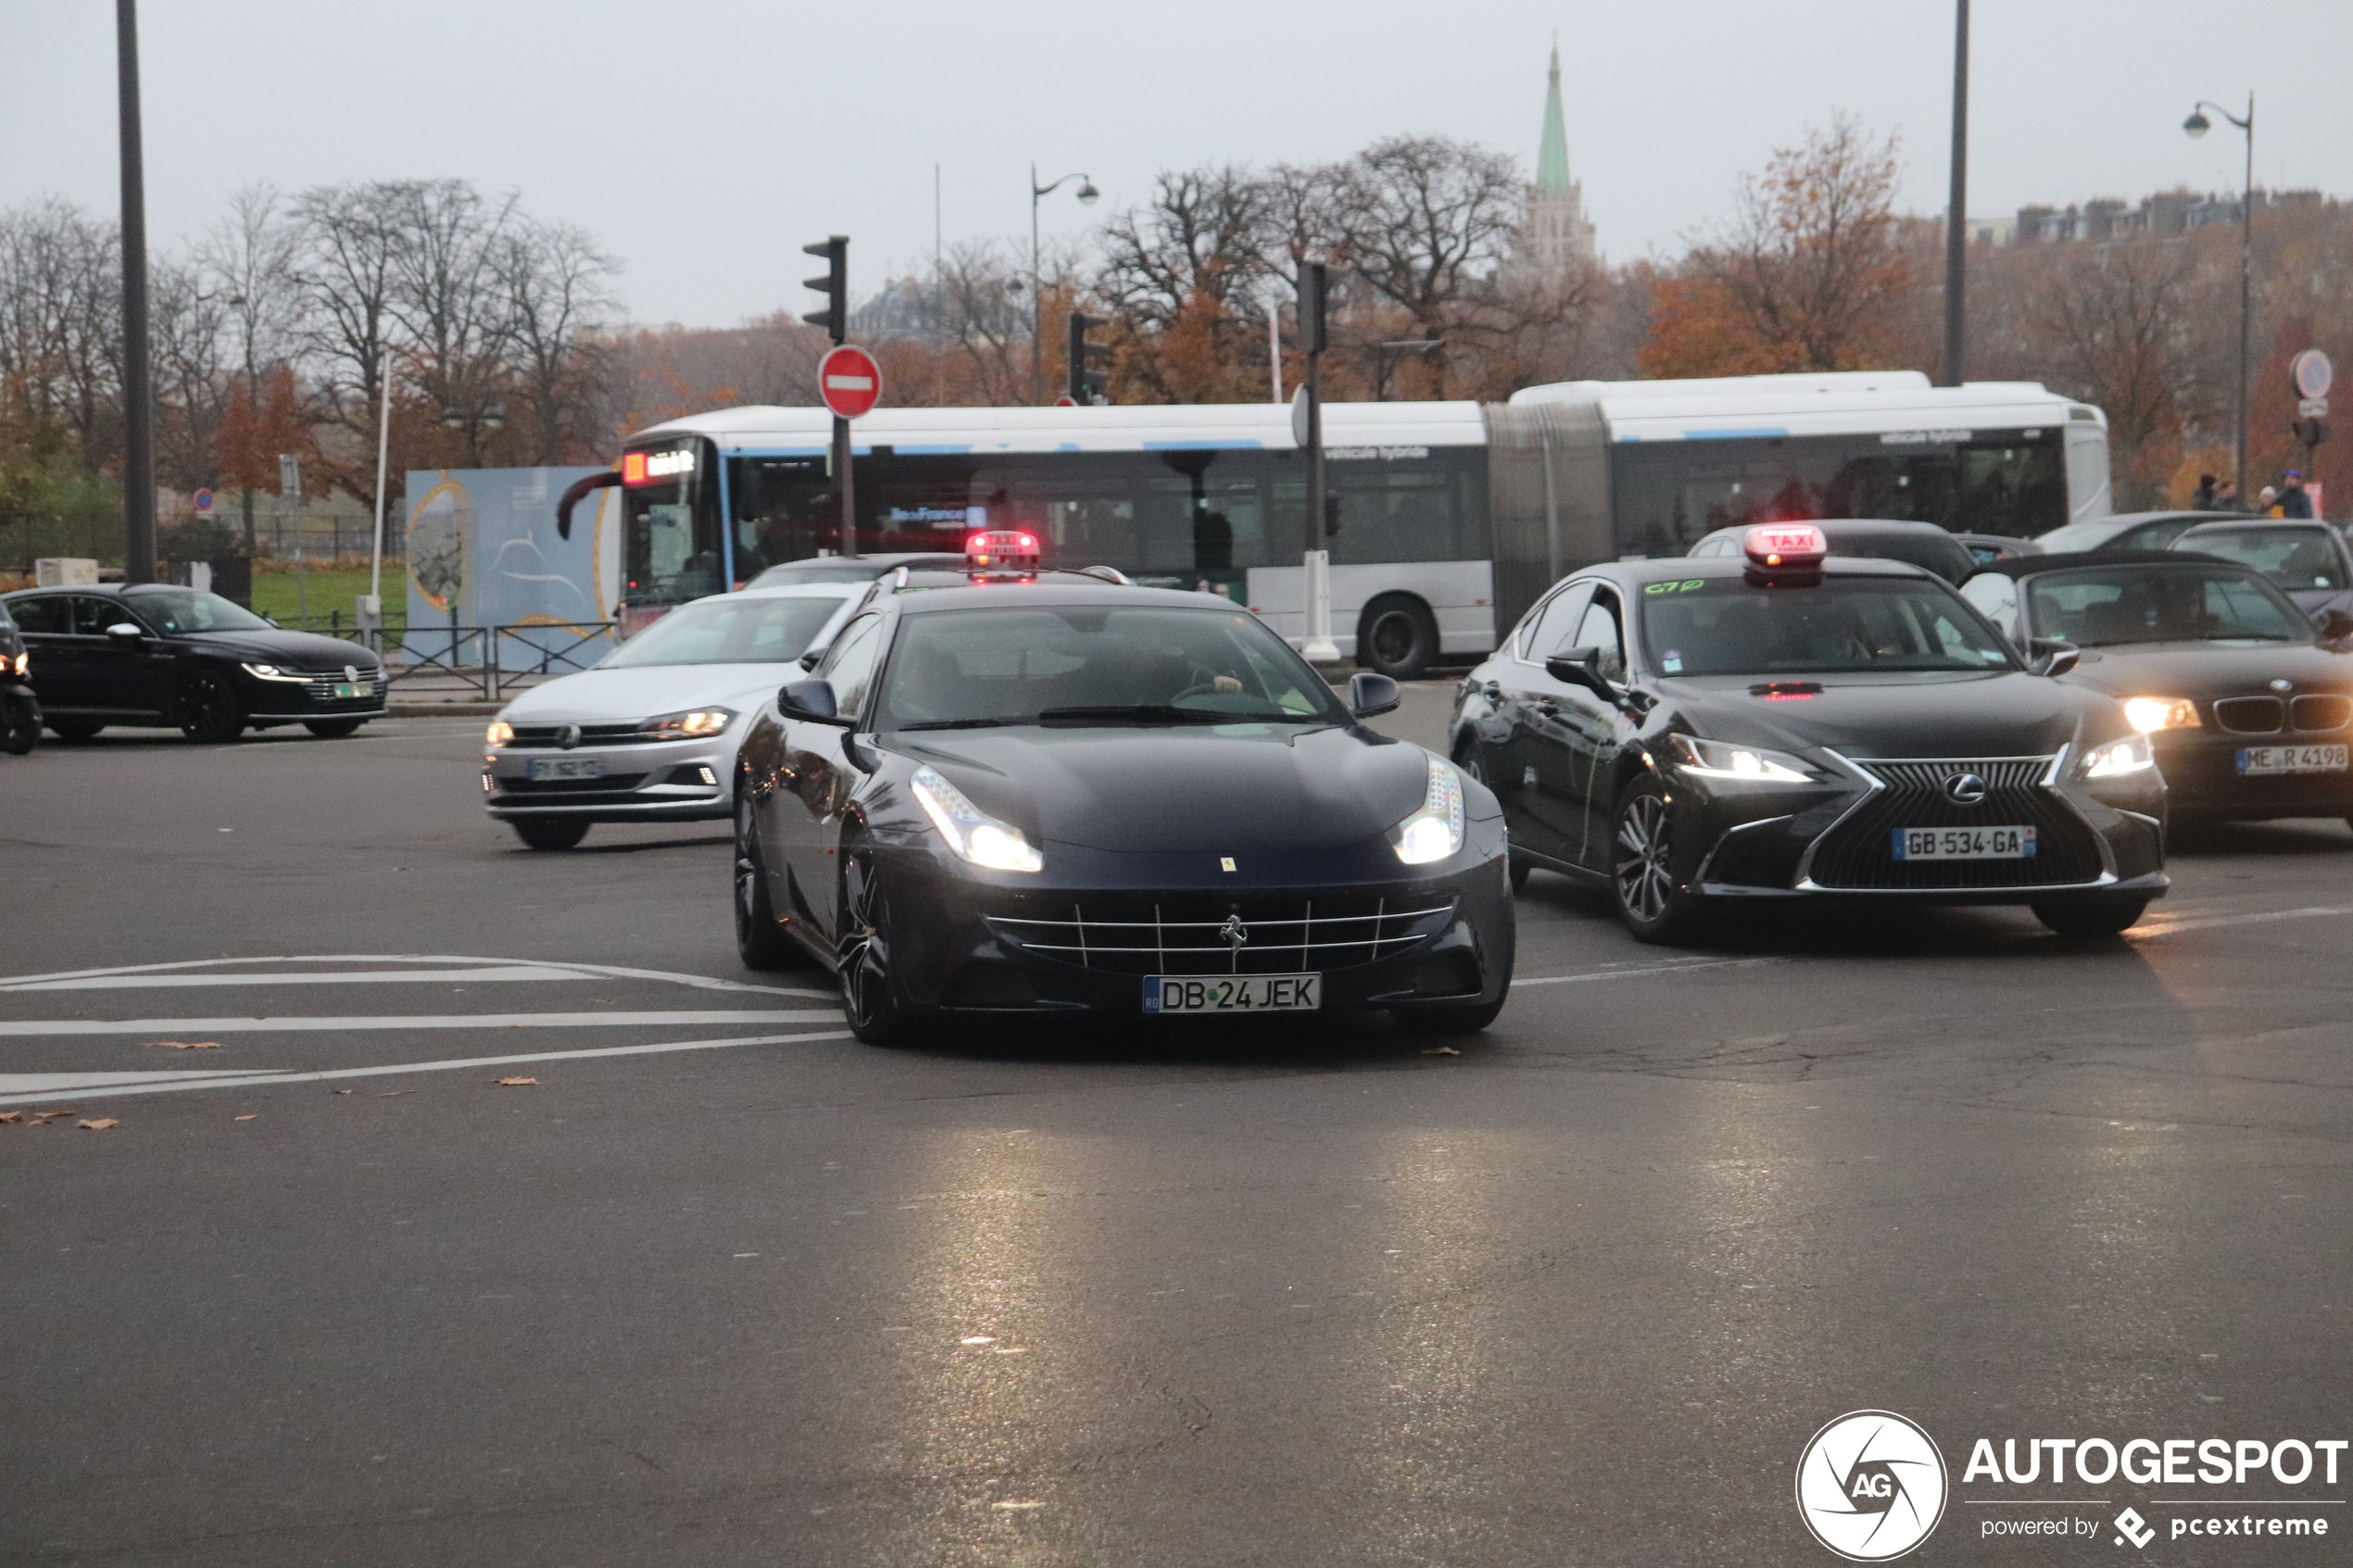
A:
728, 631
1097, 664
2101, 606
1727, 626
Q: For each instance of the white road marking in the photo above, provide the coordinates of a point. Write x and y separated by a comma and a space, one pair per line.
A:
208, 1026
303, 977
617, 972
264, 1080
1645, 973
2262, 917
43, 1085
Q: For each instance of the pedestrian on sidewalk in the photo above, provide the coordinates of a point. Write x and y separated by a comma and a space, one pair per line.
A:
2266, 502
2204, 500
2294, 500
2226, 496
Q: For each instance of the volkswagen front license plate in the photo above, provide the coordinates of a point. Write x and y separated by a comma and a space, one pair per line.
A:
543, 767
2255, 760
1233, 993
343, 691
1965, 843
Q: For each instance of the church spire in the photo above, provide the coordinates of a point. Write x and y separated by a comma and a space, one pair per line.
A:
1551, 153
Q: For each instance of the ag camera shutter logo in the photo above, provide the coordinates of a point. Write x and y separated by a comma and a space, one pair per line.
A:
1871, 1486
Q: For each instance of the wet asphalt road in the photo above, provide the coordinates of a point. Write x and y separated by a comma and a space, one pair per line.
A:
1579, 1294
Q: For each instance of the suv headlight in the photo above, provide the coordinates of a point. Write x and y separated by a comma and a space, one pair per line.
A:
693, 725
2148, 714
1740, 764
972, 833
1435, 830
2119, 758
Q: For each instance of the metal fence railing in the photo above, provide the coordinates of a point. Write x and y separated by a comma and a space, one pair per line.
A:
485, 660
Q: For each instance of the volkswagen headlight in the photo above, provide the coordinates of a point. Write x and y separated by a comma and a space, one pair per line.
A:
693, 725
499, 734
1435, 830
272, 673
2118, 758
2148, 714
972, 833
1737, 764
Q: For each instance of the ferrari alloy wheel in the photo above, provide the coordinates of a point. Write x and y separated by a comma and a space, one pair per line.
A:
207, 708
869, 991
760, 941
1643, 867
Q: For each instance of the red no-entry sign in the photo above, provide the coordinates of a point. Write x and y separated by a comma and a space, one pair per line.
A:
849, 381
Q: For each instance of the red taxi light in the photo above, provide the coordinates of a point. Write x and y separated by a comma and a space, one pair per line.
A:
1786, 543
1000, 548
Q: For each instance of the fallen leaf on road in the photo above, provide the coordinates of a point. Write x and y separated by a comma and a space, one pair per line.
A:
43, 1118
1441, 1050
1016, 1505
395, 1094
99, 1125
184, 1044
978, 1339
515, 1083
246, 1117
11, 1115
345, 1091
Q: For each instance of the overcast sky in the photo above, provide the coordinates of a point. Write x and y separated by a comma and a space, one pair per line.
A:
705, 141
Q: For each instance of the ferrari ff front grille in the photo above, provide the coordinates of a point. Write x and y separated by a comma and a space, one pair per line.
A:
1860, 851
1192, 934
2319, 712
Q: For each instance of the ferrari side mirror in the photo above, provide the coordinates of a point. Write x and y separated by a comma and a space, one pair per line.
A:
810, 700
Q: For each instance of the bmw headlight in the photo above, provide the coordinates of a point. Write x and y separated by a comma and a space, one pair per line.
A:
693, 725
2148, 714
1737, 764
2117, 759
972, 833
1435, 830
499, 734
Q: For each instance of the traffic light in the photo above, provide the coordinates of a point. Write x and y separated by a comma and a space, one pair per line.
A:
1314, 282
834, 285
1090, 362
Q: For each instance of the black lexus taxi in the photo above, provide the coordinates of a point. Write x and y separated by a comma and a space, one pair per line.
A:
2249, 707
1704, 733
1005, 791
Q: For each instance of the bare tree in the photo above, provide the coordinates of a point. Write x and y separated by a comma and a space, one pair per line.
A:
60, 323
557, 284
348, 274
447, 300
1427, 222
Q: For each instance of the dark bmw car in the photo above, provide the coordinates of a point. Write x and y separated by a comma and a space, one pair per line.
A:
1704, 733
156, 656
1011, 798
2249, 709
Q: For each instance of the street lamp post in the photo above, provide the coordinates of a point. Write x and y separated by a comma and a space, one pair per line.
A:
1087, 194
2198, 125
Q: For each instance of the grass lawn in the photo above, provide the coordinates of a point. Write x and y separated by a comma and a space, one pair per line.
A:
275, 595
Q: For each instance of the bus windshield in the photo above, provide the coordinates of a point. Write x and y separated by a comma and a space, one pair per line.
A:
1842, 625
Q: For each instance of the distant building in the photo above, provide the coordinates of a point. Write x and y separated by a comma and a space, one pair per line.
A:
1555, 241
2167, 212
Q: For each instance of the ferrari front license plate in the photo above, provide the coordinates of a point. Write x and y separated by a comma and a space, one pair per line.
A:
2259, 760
567, 767
1233, 993
1964, 843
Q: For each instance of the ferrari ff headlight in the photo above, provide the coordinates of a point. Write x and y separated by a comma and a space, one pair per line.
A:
24, 663
1739, 764
693, 725
499, 734
270, 672
972, 833
2118, 758
1435, 830
2148, 714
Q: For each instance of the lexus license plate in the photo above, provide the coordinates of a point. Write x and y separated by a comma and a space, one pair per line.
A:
1965, 843
2255, 761
543, 768
1233, 993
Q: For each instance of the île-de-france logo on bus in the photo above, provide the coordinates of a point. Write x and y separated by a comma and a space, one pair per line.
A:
1871, 1486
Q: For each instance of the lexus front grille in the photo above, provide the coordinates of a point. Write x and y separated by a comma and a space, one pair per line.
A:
1858, 851
1192, 935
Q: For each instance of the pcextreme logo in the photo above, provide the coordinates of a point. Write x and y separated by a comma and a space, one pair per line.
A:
1871, 1486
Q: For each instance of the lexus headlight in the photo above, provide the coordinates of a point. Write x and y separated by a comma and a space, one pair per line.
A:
2147, 714
499, 734
1434, 832
693, 725
1740, 764
972, 833
2120, 758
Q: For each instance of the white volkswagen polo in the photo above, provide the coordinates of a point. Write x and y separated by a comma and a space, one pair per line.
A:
650, 733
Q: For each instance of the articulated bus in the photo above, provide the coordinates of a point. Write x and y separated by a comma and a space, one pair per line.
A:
1448, 520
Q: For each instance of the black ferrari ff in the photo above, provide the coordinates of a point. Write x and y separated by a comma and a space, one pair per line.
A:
2248, 705
1707, 733
1009, 796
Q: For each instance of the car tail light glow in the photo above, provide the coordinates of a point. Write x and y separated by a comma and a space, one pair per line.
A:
1001, 549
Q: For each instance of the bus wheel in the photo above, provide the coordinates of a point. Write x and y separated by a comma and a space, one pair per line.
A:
1397, 637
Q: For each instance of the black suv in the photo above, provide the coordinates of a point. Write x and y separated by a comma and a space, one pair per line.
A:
152, 654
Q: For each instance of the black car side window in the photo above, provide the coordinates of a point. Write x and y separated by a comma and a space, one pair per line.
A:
43, 617
91, 616
1599, 631
1556, 622
849, 664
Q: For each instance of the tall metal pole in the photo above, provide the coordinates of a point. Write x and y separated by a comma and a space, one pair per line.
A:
2246, 296
1957, 214
138, 383
1037, 300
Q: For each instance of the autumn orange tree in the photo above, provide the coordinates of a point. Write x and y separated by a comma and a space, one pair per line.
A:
1809, 275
